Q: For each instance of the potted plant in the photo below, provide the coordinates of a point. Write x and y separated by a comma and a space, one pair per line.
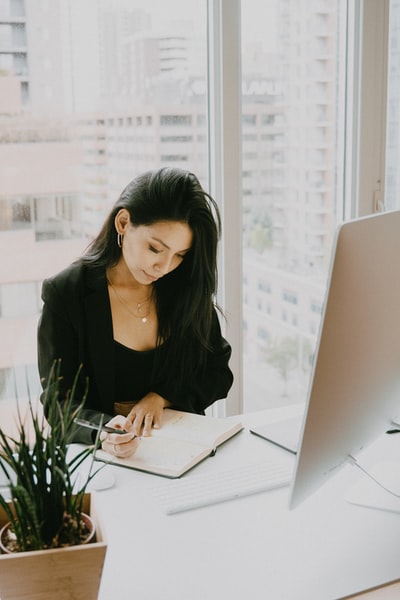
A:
45, 522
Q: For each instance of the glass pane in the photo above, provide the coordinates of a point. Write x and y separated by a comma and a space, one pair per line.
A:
92, 93
293, 71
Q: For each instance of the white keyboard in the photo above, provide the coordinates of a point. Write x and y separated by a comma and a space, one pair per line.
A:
205, 489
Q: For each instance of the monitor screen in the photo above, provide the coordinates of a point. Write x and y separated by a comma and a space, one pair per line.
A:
354, 389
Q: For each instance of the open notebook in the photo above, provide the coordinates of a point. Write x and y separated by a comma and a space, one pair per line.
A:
182, 442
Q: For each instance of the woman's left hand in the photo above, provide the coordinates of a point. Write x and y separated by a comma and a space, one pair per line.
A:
147, 414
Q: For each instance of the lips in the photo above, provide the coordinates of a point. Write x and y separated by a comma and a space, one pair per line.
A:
150, 276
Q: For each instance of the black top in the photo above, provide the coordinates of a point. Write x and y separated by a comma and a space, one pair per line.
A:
133, 373
76, 327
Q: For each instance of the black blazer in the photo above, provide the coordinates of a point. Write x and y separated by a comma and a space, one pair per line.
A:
76, 326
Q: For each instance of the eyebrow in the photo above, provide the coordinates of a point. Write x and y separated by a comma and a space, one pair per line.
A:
166, 246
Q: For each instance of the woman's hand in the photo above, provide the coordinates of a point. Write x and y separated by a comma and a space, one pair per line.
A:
147, 414
120, 444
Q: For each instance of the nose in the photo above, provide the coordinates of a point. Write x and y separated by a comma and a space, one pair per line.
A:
164, 265
161, 267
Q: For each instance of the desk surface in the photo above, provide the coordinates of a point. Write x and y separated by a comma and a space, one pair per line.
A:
252, 547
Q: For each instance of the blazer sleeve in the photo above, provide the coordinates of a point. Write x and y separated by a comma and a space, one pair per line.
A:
212, 384
59, 338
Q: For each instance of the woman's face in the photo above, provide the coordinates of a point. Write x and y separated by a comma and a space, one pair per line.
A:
152, 251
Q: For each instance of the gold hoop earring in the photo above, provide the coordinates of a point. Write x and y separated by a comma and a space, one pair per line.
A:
120, 237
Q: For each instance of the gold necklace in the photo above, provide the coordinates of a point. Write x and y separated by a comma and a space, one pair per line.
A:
139, 305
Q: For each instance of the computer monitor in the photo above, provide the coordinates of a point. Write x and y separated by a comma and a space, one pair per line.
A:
354, 389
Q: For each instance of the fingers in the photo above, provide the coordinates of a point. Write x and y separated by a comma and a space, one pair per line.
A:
148, 424
120, 444
142, 423
118, 448
120, 422
147, 414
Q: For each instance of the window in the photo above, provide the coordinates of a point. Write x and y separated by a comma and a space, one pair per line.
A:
175, 120
85, 100
124, 87
18, 300
293, 68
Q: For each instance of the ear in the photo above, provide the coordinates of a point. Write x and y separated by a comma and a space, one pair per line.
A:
122, 220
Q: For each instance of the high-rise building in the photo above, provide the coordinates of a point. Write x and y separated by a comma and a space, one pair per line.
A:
291, 181
14, 45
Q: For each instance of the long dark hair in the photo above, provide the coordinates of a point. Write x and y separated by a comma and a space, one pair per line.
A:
185, 298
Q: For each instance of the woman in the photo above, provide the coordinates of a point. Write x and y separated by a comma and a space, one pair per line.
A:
136, 311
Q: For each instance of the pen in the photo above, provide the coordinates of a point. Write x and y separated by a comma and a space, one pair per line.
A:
96, 426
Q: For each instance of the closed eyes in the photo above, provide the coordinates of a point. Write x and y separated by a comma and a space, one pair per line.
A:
158, 251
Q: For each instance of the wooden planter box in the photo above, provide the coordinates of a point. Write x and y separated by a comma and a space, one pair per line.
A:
72, 573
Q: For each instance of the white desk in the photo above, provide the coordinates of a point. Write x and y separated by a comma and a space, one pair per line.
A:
252, 548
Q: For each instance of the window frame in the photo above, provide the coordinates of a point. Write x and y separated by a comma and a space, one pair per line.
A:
367, 84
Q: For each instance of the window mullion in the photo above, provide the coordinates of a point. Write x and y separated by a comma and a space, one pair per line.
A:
225, 171
371, 95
